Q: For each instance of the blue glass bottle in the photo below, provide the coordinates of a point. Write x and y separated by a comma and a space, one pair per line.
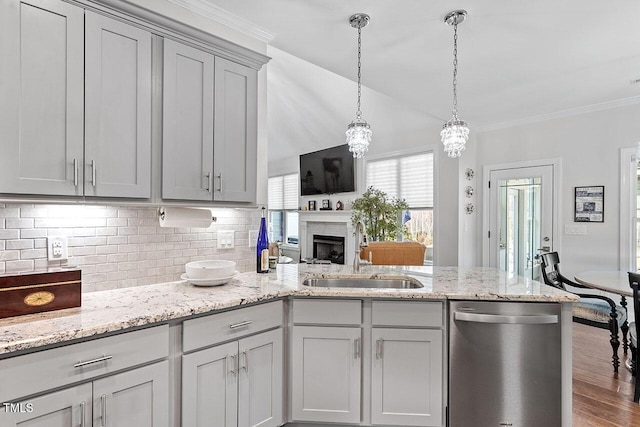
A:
262, 247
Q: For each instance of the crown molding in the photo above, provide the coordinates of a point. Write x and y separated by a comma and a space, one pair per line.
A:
224, 17
564, 113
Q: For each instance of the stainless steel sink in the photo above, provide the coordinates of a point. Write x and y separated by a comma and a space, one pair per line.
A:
363, 283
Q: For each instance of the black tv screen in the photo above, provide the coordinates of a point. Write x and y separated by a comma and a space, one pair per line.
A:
327, 171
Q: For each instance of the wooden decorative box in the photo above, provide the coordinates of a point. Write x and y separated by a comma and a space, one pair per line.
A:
35, 292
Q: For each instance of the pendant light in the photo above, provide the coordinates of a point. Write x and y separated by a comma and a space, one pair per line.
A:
359, 131
455, 132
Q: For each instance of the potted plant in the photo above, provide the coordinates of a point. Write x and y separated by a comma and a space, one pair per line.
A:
379, 213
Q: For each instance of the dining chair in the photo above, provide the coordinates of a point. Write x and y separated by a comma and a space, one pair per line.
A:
634, 329
593, 310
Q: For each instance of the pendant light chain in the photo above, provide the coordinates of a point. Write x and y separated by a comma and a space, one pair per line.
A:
455, 69
358, 112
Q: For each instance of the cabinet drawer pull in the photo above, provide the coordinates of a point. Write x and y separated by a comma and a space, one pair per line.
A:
82, 413
93, 173
356, 348
75, 172
234, 364
90, 362
246, 362
103, 415
220, 187
379, 348
241, 324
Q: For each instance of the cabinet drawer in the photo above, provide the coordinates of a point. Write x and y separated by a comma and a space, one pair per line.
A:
407, 313
44, 370
209, 330
327, 312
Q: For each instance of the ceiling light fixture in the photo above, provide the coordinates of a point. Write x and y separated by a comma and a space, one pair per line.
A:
455, 132
358, 131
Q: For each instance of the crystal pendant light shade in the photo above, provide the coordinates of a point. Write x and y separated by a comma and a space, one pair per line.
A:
358, 131
455, 132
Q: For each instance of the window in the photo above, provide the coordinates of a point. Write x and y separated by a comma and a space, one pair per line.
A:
283, 208
409, 178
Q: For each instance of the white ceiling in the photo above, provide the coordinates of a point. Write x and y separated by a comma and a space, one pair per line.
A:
517, 59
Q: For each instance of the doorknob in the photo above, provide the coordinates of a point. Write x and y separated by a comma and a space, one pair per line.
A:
544, 249
545, 238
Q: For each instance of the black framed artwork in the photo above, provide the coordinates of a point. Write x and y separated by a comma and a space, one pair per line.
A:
589, 204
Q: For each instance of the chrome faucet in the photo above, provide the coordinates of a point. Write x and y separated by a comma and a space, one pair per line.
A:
361, 242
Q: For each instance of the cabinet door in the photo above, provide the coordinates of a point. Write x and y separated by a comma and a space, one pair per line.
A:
406, 383
187, 134
117, 109
325, 370
210, 387
260, 384
41, 106
66, 408
235, 133
137, 398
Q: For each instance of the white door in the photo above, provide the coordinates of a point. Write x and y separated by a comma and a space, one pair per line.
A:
520, 218
42, 97
117, 109
137, 398
70, 407
187, 123
406, 377
325, 371
260, 375
210, 387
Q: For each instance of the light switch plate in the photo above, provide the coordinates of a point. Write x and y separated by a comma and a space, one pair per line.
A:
575, 229
226, 239
57, 248
253, 238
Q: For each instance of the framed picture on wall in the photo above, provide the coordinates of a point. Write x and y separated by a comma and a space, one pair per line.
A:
312, 205
589, 204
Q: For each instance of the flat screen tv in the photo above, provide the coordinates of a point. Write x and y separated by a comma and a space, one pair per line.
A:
327, 171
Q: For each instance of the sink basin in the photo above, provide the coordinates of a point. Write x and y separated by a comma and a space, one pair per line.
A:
363, 283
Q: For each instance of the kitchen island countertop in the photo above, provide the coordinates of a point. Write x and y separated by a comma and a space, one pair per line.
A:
114, 310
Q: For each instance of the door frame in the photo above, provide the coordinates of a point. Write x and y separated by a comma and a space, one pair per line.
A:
627, 206
556, 164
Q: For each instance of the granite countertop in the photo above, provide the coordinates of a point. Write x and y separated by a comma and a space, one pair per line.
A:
119, 309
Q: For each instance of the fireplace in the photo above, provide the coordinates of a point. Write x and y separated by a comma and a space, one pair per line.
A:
328, 248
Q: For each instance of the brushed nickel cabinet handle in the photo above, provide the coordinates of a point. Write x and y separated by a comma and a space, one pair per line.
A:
82, 413
93, 173
234, 369
356, 348
241, 324
379, 348
103, 416
220, 177
91, 362
75, 172
208, 176
246, 362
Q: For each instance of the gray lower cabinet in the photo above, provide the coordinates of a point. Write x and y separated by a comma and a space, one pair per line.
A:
406, 377
75, 114
209, 147
235, 384
326, 366
136, 398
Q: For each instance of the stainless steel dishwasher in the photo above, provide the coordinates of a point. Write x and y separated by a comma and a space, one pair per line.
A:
505, 364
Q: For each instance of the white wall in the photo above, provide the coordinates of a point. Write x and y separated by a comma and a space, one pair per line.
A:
588, 146
309, 109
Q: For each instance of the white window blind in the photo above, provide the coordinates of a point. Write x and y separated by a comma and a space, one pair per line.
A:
407, 177
283, 192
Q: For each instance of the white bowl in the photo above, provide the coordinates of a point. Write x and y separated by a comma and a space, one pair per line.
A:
210, 269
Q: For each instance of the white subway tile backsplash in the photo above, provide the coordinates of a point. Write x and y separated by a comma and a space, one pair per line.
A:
116, 246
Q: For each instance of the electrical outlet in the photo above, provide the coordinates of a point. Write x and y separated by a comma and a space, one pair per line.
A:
226, 239
253, 238
57, 248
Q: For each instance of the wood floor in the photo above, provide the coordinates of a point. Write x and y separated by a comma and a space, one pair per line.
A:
600, 397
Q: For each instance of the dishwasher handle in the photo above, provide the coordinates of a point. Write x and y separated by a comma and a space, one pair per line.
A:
538, 319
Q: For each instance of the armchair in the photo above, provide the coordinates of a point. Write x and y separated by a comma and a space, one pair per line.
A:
593, 310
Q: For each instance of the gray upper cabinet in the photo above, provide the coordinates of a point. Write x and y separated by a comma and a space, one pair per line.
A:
187, 144
118, 109
235, 132
41, 110
209, 127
